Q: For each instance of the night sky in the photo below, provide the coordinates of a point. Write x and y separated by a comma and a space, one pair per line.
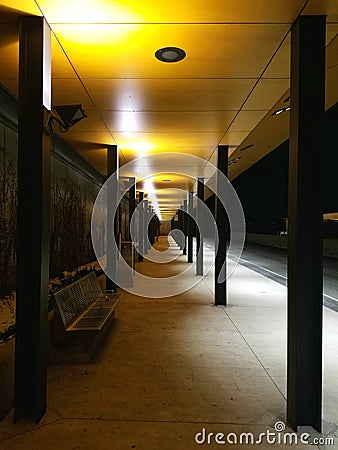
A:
263, 188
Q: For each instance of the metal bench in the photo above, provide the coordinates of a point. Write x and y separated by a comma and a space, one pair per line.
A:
82, 315
83, 306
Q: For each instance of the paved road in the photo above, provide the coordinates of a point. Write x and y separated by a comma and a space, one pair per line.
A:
272, 262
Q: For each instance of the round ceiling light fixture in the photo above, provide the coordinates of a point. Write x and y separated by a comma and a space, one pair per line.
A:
170, 54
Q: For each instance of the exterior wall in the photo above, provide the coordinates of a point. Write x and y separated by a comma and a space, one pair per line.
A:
72, 200
8, 207
74, 187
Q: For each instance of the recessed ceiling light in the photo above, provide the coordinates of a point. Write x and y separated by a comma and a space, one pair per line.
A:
233, 161
170, 54
280, 111
247, 147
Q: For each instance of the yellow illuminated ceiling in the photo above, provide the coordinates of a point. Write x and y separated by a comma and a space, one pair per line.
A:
235, 74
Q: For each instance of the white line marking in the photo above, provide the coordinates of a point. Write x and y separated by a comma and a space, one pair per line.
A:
282, 276
275, 273
332, 298
260, 267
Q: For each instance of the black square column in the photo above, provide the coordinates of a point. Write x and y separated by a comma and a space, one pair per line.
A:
145, 226
179, 226
305, 290
199, 230
184, 229
132, 202
222, 228
190, 240
141, 227
32, 274
112, 212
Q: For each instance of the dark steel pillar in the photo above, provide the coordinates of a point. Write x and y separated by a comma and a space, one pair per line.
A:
184, 217
150, 213
145, 226
112, 232
199, 235
305, 286
32, 274
150, 227
222, 228
180, 226
132, 201
190, 227
141, 227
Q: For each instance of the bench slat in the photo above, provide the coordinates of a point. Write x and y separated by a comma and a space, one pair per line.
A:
83, 306
95, 317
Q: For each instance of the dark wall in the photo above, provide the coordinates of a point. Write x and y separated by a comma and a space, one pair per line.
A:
72, 200
263, 188
74, 187
8, 207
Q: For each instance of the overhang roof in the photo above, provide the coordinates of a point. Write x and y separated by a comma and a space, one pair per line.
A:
235, 74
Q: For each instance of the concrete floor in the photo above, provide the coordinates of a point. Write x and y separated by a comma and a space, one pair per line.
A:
170, 367
275, 261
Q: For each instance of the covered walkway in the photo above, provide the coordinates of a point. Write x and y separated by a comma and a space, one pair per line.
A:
171, 367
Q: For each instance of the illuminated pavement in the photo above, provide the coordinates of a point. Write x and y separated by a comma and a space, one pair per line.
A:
170, 367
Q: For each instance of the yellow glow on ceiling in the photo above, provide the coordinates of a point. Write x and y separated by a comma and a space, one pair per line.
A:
167, 142
166, 192
148, 186
139, 148
87, 11
98, 40
165, 200
145, 106
27, 6
127, 50
150, 191
175, 180
166, 94
178, 10
10, 52
128, 121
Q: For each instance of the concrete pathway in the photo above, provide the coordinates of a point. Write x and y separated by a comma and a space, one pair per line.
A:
171, 367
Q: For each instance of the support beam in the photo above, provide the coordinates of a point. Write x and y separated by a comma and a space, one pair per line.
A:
141, 227
190, 227
199, 235
32, 274
151, 232
222, 228
150, 213
145, 226
132, 201
112, 232
180, 226
158, 224
185, 223
305, 284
